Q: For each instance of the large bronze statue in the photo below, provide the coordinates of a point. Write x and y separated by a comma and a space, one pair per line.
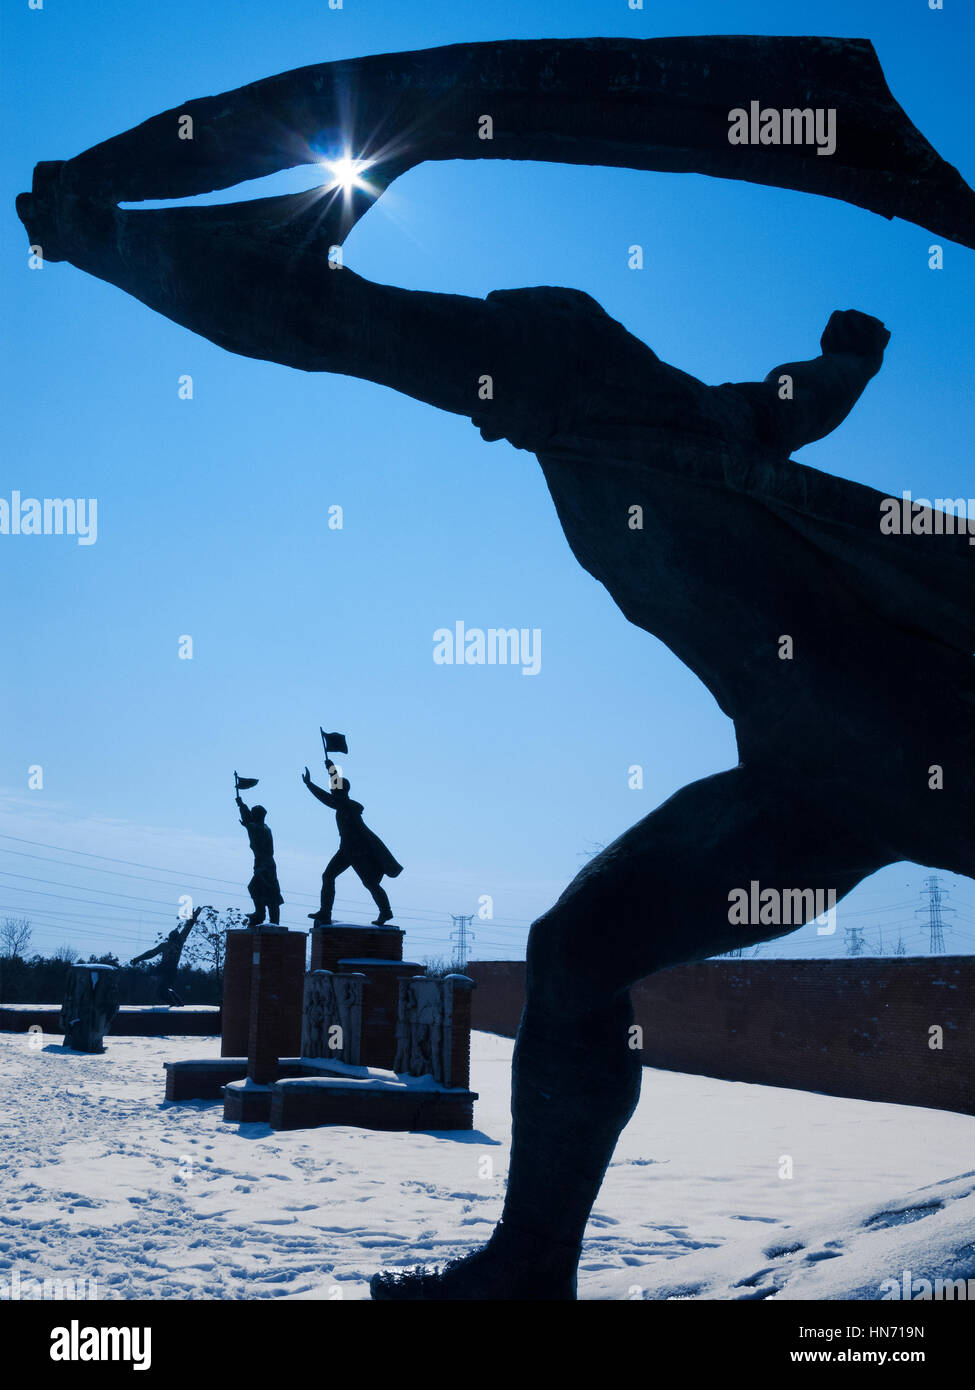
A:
843, 654
359, 849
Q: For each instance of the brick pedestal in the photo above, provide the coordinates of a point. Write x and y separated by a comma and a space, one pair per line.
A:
284, 1019
277, 982
235, 1008
460, 1031
343, 940
380, 1006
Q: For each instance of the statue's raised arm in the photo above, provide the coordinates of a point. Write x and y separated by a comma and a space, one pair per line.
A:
685, 104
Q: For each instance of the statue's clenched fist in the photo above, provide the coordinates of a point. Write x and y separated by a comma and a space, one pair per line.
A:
855, 334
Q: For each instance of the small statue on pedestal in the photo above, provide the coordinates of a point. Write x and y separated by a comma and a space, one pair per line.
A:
359, 847
263, 887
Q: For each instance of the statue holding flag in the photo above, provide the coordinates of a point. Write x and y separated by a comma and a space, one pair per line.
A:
359, 847
263, 886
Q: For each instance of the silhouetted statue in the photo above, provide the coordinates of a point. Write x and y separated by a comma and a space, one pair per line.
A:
843, 654
359, 849
263, 886
169, 951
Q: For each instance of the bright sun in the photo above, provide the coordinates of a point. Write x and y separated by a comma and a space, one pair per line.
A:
346, 172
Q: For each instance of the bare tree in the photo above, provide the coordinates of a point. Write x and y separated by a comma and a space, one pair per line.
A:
436, 967
207, 946
66, 954
15, 935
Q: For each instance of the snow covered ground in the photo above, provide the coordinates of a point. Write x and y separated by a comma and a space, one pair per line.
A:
102, 1180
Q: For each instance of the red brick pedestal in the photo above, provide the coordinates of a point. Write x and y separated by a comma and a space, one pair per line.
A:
460, 1055
343, 940
284, 959
277, 974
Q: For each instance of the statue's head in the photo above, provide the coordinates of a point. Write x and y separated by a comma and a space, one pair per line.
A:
258, 812
342, 787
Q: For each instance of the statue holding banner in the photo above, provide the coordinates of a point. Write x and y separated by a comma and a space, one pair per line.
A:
263, 887
359, 847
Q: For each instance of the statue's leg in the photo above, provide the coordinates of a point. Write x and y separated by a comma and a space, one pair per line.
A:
256, 279
381, 899
336, 865
656, 897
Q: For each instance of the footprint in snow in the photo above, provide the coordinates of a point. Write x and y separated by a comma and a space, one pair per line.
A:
901, 1217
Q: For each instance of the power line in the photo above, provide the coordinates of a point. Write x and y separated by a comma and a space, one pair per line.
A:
182, 877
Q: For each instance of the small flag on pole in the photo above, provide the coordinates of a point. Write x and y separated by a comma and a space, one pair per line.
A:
333, 743
243, 784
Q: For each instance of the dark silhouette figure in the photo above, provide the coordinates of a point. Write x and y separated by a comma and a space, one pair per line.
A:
679, 497
169, 951
359, 849
263, 886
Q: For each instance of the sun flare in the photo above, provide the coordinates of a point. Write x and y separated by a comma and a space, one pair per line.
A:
346, 172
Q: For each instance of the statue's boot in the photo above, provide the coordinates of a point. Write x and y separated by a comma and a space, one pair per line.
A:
575, 1083
513, 1265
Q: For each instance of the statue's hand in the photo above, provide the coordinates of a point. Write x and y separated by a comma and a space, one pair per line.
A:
856, 335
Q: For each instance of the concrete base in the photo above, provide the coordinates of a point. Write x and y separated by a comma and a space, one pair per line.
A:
245, 1102
309, 1092
206, 1078
308, 1102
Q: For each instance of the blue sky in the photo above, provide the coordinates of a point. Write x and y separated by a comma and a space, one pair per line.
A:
213, 512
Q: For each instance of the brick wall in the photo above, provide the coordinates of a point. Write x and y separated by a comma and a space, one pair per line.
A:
854, 1027
127, 1023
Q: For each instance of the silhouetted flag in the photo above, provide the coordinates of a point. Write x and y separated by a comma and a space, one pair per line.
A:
333, 743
